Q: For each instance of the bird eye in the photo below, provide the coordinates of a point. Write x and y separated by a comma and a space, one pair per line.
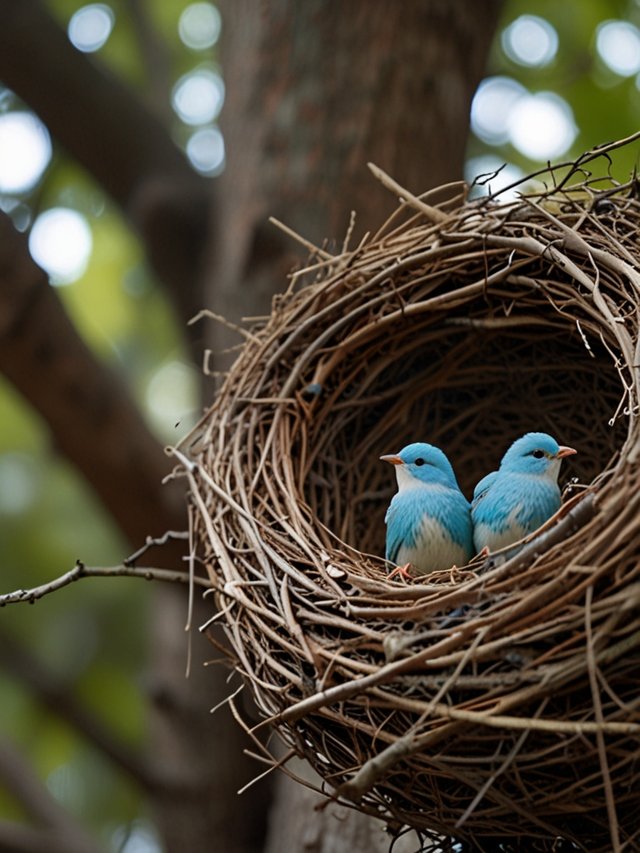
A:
419, 461
538, 454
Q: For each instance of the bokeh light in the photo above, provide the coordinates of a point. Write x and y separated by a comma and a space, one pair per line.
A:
61, 243
530, 41
541, 126
491, 106
618, 45
20, 483
205, 150
25, 151
198, 96
199, 26
171, 398
137, 837
90, 27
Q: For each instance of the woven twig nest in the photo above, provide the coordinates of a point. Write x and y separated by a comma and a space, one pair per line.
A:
493, 703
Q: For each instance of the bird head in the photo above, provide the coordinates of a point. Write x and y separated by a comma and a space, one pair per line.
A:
423, 463
535, 453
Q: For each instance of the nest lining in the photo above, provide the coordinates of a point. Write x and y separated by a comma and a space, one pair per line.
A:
495, 703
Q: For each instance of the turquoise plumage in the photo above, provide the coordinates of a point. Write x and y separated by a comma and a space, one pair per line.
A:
512, 502
429, 519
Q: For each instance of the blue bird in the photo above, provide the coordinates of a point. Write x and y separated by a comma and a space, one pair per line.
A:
429, 519
512, 502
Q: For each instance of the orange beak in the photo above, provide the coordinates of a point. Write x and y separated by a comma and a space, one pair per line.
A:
565, 451
394, 459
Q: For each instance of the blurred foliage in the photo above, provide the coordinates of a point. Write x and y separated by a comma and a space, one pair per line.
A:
605, 105
92, 635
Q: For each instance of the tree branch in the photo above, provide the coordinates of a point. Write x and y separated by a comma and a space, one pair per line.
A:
107, 129
42, 807
92, 419
20, 596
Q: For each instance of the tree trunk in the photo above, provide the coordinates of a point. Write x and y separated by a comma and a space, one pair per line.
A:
315, 90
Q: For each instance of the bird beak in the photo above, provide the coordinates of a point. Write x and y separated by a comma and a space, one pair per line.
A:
393, 458
565, 451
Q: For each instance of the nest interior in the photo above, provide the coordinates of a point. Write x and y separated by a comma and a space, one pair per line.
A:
493, 706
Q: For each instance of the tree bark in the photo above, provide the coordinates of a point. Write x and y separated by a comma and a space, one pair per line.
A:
297, 824
202, 812
315, 90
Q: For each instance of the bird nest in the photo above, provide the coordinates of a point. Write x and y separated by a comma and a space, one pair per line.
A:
490, 706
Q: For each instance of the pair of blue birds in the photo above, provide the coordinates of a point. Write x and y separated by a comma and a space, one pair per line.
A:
430, 523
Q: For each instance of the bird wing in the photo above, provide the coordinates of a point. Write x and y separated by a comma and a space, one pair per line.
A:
541, 501
400, 521
482, 488
519, 500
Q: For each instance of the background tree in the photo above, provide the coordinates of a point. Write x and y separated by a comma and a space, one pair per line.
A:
105, 745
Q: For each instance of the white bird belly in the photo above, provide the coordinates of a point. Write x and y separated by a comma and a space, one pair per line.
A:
485, 536
433, 549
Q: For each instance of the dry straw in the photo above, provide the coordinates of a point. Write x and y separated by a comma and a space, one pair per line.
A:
497, 704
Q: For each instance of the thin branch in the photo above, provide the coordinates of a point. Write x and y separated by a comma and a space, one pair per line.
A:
20, 596
313, 250
433, 214
151, 542
573, 167
205, 313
